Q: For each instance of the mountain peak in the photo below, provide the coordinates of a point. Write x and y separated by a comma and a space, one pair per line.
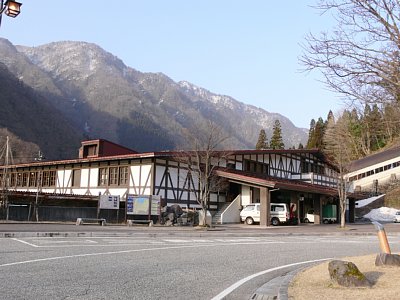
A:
104, 98
83, 58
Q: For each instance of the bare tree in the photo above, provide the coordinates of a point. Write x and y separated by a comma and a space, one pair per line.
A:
360, 57
338, 144
202, 161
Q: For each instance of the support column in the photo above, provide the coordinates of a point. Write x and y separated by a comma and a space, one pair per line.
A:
265, 211
352, 207
317, 209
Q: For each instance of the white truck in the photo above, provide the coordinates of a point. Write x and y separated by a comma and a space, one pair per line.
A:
279, 213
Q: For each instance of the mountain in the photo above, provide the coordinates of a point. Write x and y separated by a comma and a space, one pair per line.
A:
32, 123
101, 97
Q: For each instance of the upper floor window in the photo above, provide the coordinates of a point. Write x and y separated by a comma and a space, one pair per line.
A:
113, 176
33, 179
103, 176
89, 150
48, 178
123, 175
256, 167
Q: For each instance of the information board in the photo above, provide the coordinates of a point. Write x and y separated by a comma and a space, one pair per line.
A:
155, 205
109, 202
143, 204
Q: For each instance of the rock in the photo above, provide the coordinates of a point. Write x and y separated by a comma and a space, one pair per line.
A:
346, 273
169, 223
385, 259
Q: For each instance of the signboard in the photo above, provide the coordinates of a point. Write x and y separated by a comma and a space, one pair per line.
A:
109, 202
129, 205
143, 204
155, 204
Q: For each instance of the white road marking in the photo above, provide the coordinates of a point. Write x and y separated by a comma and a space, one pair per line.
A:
106, 253
121, 252
90, 241
124, 241
25, 242
234, 286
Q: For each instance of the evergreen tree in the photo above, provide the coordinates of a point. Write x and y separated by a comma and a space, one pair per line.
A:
330, 118
262, 142
319, 133
310, 142
377, 136
276, 139
300, 146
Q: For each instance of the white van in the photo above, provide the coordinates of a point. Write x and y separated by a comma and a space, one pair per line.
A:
279, 213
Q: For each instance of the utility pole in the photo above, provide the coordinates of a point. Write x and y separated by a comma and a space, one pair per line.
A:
6, 151
39, 180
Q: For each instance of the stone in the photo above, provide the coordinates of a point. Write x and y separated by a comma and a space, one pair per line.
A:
385, 259
346, 273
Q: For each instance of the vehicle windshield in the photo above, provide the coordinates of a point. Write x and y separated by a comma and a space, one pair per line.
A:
248, 208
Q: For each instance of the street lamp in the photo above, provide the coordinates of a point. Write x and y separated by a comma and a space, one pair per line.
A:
10, 8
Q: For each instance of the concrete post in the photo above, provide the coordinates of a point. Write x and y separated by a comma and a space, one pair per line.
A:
317, 209
265, 214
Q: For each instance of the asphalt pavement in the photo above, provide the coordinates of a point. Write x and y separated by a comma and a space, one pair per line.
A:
17, 229
273, 289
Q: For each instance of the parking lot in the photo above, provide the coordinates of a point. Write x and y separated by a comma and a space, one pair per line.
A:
94, 262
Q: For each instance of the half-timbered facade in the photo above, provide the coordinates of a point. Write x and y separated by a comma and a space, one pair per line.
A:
300, 177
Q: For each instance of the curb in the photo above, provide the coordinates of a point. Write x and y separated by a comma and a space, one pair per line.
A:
276, 288
187, 233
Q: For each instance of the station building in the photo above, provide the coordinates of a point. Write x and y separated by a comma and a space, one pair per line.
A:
369, 174
304, 179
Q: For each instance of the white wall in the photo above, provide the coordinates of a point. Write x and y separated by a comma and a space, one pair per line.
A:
246, 195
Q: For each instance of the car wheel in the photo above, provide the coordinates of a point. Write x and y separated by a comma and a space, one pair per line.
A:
306, 220
275, 222
249, 221
325, 221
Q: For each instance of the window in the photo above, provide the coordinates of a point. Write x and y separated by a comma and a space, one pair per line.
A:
33, 179
45, 178
19, 179
90, 150
103, 176
12, 179
123, 176
256, 167
52, 178
277, 208
48, 178
113, 175
248, 208
25, 179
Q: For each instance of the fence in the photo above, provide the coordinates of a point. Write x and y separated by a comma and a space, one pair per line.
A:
62, 214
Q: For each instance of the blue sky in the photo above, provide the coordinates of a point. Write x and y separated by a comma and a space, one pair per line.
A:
245, 49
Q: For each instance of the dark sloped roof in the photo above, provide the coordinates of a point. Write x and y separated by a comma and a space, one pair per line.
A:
320, 155
273, 182
375, 159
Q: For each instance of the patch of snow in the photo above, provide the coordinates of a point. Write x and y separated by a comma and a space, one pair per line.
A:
364, 202
382, 214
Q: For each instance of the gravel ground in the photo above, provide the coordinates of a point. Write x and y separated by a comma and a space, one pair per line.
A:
314, 282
